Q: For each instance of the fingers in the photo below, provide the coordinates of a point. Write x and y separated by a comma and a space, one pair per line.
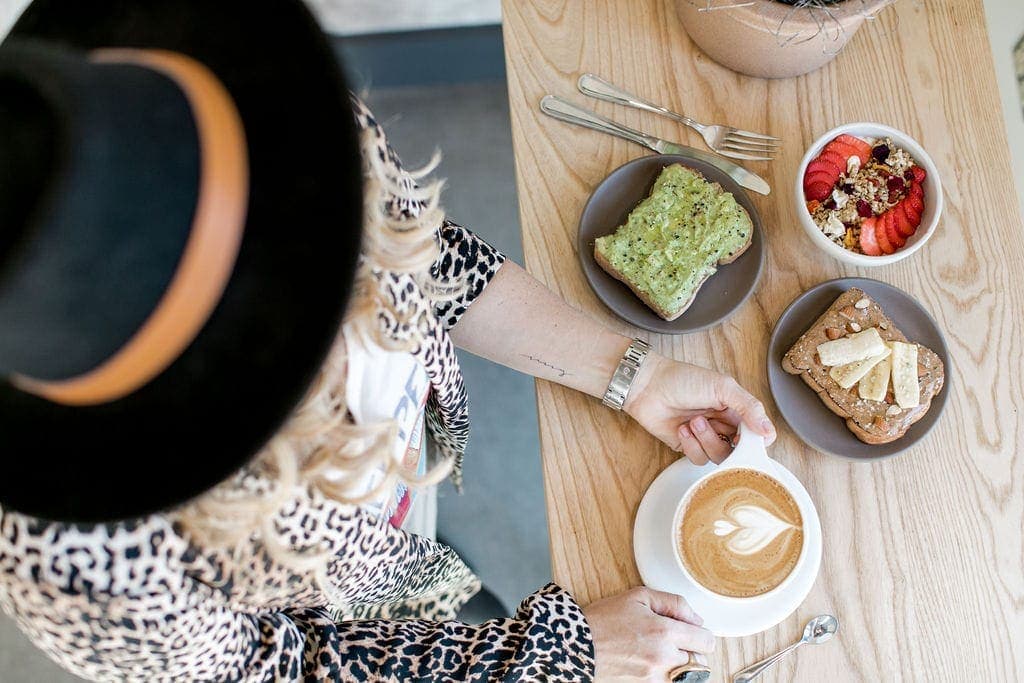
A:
691, 447
715, 448
749, 409
681, 635
670, 605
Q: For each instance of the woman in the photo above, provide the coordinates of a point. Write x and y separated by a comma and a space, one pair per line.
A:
296, 565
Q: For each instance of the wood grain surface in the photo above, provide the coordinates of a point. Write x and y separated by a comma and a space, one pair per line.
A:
923, 553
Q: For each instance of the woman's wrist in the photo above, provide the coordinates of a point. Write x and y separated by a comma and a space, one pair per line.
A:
648, 369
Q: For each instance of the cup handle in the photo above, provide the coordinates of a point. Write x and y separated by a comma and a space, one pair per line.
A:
749, 449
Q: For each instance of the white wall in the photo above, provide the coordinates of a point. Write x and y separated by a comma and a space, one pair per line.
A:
348, 17
1005, 28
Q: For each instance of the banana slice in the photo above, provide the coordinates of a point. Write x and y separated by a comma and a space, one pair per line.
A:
852, 348
904, 375
875, 385
851, 373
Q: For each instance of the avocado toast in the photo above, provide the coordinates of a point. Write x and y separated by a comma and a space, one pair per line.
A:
675, 239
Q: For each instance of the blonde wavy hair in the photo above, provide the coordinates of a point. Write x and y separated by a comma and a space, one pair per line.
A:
320, 449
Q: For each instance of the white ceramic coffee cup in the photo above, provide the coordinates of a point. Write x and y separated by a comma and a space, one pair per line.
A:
749, 453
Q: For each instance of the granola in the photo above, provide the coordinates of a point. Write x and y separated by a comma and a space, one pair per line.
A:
875, 178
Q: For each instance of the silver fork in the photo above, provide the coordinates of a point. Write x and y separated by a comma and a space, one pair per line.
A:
726, 140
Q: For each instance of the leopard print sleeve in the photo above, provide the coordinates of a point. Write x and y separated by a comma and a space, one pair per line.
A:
548, 639
464, 258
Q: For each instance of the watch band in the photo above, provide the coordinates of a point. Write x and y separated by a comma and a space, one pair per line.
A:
618, 388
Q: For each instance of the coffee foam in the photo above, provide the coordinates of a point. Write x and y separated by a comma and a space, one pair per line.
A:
741, 533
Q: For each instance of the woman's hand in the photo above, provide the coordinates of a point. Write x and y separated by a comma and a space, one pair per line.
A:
642, 634
694, 410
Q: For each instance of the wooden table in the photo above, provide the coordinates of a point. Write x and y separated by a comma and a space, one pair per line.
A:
923, 553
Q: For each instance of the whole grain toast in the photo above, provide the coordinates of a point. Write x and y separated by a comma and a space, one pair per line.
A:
870, 421
679, 307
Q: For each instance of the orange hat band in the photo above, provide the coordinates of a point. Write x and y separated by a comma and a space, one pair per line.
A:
210, 251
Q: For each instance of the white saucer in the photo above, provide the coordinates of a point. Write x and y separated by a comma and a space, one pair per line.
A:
655, 556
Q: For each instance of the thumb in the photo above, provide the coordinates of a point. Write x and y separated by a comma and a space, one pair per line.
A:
750, 410
672, 606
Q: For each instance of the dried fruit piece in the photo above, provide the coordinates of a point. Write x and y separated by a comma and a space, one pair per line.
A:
880, 152
895, 184
848, 312
833, 333
864, 209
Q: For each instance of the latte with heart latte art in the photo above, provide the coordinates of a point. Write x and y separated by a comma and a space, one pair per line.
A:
741, 533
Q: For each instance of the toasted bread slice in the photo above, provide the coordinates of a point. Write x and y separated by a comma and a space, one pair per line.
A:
873, 422
675, 239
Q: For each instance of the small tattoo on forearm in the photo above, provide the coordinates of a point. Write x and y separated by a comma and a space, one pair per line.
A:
560, 371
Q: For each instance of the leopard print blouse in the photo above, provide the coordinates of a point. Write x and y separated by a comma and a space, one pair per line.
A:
137, 600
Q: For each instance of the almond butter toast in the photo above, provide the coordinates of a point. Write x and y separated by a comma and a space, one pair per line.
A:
850, 321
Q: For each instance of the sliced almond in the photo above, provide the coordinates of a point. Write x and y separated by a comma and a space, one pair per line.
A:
862, 304
854, 327
893, 410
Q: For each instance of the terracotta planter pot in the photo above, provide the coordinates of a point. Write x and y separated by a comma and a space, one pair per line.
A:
749, 39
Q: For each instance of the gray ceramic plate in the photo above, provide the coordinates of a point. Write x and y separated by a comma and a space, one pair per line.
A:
608, 208
818, 426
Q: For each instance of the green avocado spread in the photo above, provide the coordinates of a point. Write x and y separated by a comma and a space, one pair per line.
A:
674, 239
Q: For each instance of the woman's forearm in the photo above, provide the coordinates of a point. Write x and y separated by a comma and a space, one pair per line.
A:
522, 324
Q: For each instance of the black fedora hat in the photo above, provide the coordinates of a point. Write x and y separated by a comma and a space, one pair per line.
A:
180, 216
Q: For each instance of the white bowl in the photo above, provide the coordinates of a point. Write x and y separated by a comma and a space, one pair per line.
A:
932, 195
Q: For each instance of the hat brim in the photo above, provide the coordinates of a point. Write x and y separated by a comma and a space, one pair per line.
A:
209, 412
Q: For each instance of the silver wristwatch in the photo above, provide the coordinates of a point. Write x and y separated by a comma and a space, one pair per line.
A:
618, 389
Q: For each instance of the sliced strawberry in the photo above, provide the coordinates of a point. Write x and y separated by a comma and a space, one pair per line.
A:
819, 190
854, 141
913, 218
916, 191
843, 150
835, 157
819, 177
820, 165
918, 173
916, 202
862, 148
882, 235
868, 240
892, 229
900, 224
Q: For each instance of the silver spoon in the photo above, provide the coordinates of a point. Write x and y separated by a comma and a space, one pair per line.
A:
818, 630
